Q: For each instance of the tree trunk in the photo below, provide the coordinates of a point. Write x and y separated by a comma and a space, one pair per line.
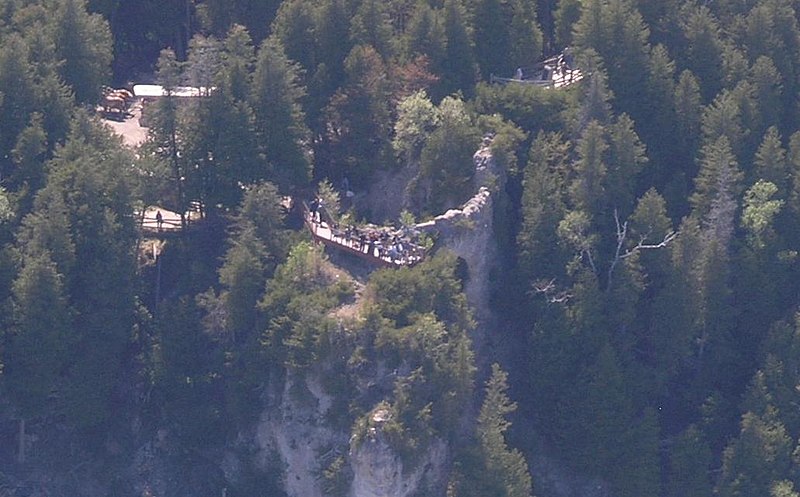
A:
22, 442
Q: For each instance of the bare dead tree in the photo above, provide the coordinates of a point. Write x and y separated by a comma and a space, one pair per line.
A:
621, 253
551, 292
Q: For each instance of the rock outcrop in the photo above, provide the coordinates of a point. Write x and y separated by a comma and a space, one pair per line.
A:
378, 470
468, 232
297, 430
296, 427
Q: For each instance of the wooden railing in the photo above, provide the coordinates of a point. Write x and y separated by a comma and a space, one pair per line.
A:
365, 243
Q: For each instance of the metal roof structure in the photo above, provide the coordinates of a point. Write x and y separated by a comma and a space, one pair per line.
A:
150, 91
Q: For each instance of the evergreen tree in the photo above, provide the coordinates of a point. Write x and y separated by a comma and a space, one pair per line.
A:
446, 158
237, 62
262, 209
279, 117
370, 26
768, 91
626, 160
660, 131
505, 27
29, 157
360, 117
723, 118
505, 467
717, 182
331, 30
770, 162
87, 190
459, 70
616, 32
525, 34
758, 458
688, 111
587, 191
165, 130
596, 104
705, 48
294, 28
542, 209
425, 36
83, 42
35, 351
18, 97
567, 14
242, 276
690, 459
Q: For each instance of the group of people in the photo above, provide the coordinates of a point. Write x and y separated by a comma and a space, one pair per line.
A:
563, 64
395, 246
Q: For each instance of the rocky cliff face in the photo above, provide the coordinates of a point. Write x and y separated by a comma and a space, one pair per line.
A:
298, 431
297, 427
468, 232
378, 470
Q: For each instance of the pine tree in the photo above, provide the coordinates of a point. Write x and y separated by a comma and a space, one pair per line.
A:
87, 197
28, 157
723, 118
717, 183
771, 163
757, 458
36, 349
84, 44
525, 34
237, 62
370, 26
587, 191
459, 69
704, 57
768, 89
279, 117
294, 27
596, 105
689, 462
360, 114
243, 275
542, 208
446, 158
567, 14
688, 112
425, 36
626, 160
18, 97
660, 131
165, 129
506, 468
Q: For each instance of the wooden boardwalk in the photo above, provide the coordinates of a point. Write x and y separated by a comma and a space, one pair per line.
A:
557, 80
554, 72
403, 254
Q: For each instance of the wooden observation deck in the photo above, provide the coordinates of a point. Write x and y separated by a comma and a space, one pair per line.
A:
376, 245
554, 72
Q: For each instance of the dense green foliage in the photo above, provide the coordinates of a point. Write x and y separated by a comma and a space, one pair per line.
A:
648, 242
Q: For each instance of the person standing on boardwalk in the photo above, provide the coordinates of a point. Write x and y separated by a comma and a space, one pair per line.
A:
159, 220
312, 207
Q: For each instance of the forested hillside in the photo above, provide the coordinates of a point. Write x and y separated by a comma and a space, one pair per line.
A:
641, 329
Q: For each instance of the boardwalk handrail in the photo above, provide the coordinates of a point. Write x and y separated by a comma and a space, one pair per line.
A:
557, 71
365, 245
